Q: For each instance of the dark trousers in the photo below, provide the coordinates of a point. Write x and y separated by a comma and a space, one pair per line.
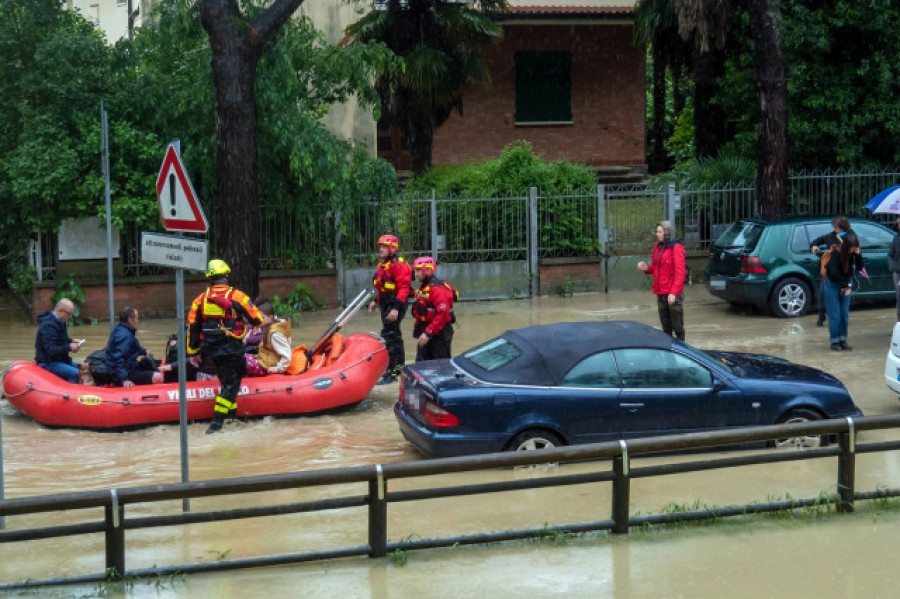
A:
393, 339
437, 347
231, 370
671, 316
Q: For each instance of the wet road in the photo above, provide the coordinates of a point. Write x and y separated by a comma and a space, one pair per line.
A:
844, 556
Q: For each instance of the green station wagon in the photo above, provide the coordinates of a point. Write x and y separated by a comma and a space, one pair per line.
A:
767, 263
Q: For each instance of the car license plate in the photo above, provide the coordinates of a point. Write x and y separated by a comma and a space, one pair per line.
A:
413, 401
717, 283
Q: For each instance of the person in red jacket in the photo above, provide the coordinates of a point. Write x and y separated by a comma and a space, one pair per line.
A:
433, 311
393, 280
667, 266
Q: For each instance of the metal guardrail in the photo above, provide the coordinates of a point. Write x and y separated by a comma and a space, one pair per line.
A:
376, 500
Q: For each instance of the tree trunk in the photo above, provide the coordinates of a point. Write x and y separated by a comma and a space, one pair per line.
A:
237, 206
771, 87
709, 119
658, 161
419, 137
237, 45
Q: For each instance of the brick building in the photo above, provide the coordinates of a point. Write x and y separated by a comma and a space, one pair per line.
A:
567, 77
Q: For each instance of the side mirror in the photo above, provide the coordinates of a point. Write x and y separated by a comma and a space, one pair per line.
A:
718, 385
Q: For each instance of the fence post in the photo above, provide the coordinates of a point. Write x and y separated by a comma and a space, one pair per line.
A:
846, 482
338, 258
673, 201
621, 492
533, 243
434, 232
377, 515
115, 538
603, 235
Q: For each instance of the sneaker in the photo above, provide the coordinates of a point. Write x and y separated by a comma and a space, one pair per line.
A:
820, 322
214, 427
845, 347
836, 347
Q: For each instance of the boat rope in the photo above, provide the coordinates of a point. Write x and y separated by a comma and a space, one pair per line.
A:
142, 402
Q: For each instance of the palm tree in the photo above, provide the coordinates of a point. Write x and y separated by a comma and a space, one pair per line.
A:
439, 44
705, 23
656, 24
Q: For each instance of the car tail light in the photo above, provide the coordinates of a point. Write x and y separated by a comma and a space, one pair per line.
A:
438, 416
752, 265
402, 395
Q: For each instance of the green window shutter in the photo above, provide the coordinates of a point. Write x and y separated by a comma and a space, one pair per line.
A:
543, 86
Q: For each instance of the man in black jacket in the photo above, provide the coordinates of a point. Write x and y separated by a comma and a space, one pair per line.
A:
52, 344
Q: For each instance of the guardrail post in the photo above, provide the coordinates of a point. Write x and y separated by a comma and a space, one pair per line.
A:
621, 492
846, 482
377, 515
115, 537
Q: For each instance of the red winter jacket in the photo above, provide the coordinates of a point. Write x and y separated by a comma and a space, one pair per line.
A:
668, 268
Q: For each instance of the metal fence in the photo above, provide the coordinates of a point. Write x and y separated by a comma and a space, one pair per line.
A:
610, 463
608, 219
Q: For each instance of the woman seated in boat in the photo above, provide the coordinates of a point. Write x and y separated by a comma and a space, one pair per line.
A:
254, 335
129, 364
274, 353
205, 372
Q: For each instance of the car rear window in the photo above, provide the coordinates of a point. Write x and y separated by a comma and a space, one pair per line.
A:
740, 235
493, 354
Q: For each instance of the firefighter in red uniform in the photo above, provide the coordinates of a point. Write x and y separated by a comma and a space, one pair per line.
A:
216, 325
433, 311
393, 280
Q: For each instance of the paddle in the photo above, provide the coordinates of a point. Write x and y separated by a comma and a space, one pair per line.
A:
340, 321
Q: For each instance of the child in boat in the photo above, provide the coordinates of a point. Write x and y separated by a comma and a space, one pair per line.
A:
274, 353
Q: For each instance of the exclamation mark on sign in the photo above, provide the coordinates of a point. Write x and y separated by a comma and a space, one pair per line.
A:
172, 191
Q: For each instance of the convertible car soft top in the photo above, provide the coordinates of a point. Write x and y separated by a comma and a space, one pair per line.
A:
547, 352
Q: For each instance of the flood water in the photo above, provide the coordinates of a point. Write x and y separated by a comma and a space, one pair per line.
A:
822, 555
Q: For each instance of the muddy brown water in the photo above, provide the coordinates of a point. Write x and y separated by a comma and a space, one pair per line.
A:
827, 556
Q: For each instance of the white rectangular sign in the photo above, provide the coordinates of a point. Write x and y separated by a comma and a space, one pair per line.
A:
177, 252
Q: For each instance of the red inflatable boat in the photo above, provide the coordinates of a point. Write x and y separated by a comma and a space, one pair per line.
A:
54, 402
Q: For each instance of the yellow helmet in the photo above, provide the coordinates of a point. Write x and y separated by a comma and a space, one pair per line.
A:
217, 268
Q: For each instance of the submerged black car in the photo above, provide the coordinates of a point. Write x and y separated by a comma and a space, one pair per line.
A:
584, 382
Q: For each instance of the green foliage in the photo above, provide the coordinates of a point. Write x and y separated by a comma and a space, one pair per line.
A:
517, 169
562, 226
55, 68
69, 289
20, 280
299, 299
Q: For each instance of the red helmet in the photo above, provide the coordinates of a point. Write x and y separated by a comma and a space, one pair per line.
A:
426, 263
392, 243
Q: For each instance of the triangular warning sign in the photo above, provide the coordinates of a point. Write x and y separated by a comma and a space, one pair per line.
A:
179, 209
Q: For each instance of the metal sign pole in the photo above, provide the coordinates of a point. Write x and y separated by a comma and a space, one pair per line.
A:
182, 376
182, 368
104, 143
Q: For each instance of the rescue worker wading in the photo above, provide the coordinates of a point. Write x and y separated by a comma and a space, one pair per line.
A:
433, 311
393, 278
216, 325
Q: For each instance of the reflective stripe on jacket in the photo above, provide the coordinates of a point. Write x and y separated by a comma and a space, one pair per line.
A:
434, 305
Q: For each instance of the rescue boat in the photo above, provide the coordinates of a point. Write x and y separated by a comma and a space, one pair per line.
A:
329, 382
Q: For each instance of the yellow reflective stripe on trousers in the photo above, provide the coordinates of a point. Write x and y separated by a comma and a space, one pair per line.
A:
223, 405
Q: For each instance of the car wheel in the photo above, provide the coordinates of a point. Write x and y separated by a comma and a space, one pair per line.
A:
802, 442
791, 298
534, 439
